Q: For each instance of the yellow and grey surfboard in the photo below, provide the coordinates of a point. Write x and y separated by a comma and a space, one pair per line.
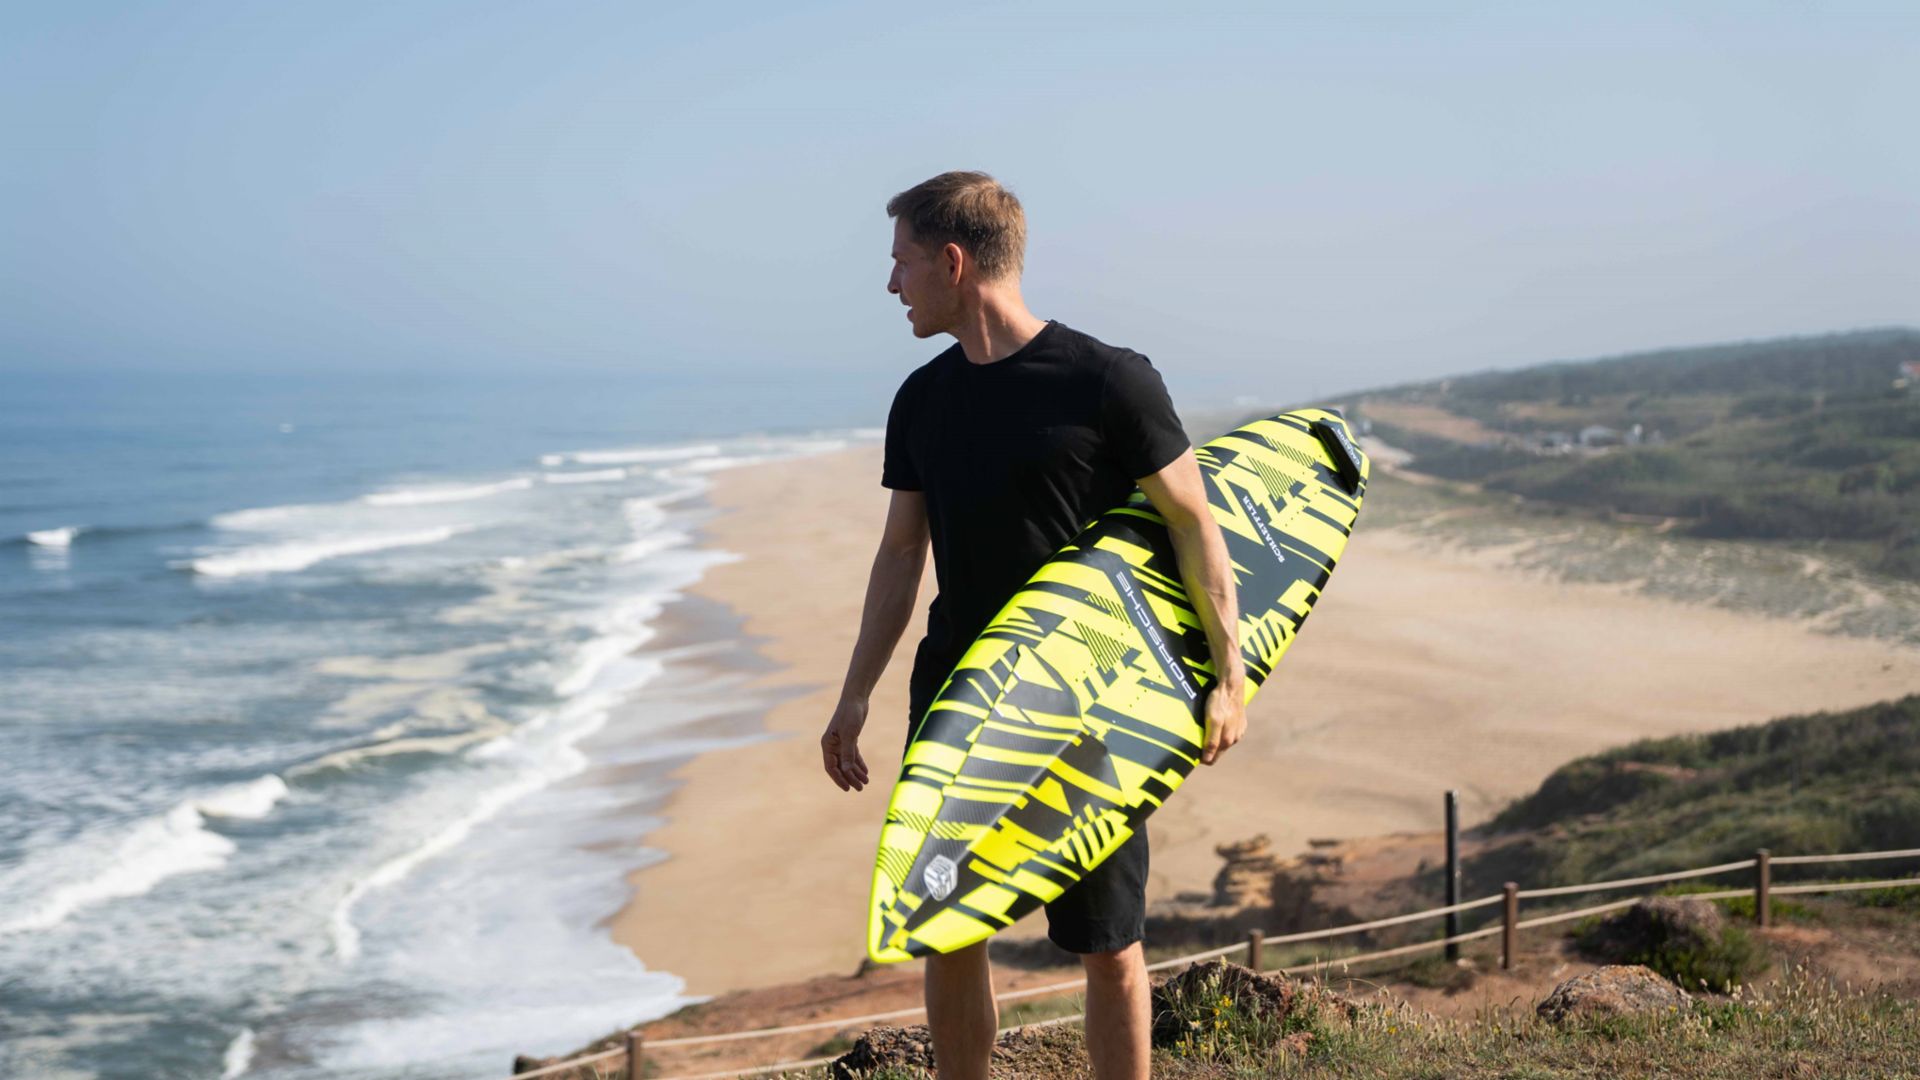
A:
1079, 709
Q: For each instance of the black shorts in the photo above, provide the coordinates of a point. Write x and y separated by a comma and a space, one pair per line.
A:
1105, 911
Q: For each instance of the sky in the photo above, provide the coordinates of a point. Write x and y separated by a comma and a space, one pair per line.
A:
1273, 201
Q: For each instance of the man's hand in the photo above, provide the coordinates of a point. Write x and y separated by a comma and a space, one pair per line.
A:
1226, 722
840, 746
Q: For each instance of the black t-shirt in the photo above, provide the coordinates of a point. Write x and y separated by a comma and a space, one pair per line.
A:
1015, 458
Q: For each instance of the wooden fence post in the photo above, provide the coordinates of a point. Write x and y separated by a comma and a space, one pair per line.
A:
1509, 920
1255, 940
1453, 872
1762, 886
635, 1055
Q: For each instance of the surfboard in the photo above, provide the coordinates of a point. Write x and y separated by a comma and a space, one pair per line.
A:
1078, 711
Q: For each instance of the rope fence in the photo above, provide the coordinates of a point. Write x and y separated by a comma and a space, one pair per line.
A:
1507, 927
1782, 860
1650, 879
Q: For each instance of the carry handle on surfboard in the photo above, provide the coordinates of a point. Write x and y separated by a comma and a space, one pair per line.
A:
1345, 455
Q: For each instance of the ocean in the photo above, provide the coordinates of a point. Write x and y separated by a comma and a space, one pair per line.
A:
299, 678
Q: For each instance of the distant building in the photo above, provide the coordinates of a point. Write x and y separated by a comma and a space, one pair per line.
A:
1599, 435
1908, 376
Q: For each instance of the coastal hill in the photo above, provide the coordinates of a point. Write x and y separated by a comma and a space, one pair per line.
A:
1805, 439
1825, 782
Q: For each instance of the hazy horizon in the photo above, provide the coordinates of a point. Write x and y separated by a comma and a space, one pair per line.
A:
1267, 202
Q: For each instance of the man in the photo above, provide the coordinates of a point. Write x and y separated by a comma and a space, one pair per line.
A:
998, 451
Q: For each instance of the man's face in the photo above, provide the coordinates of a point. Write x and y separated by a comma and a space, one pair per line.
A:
922, 281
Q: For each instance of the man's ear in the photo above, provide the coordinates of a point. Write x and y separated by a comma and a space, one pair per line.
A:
956, 261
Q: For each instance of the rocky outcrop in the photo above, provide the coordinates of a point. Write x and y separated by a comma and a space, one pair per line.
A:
1247, 878
1614, 990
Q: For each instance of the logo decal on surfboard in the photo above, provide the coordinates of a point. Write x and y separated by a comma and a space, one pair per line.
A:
941, 875
1260, 523
1144, 621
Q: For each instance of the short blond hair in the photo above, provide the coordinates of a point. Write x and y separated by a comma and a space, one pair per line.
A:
972, 210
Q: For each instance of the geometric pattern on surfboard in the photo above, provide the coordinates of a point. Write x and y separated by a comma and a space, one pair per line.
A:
1079, 710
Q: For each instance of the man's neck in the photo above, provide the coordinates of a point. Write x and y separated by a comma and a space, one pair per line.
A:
999, 327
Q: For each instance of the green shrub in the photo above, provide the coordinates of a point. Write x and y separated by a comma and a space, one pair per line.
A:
1718, 965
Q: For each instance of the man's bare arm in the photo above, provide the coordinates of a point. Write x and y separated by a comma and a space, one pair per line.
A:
892, 586
1178, 492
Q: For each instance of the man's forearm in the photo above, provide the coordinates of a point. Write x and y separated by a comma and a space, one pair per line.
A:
892, 585
1208, 575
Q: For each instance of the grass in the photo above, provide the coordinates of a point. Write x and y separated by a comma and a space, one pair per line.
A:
1897, 898
1800, 1026
1436, 972
1033, 1011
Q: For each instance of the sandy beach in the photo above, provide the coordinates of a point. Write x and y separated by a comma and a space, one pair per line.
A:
1426, 667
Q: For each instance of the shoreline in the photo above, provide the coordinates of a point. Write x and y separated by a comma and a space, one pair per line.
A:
1425, 669
723, 818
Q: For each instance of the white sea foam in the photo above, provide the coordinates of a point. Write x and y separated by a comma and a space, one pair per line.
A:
548, 560
637, 456
681, 488
622, 629
262, 517
159, 847
770, 450
415, 744
728, 461
445, 493
645, 517
594, 677
239, 1056
650, 545
252, 800
591, 476
55, 538
541, 751
602, 671
300, 554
